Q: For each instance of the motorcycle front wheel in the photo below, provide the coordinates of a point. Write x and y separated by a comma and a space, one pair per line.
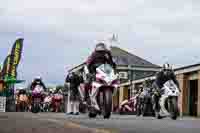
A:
35, 108
107, 103
173, 108
92, 113
22, 106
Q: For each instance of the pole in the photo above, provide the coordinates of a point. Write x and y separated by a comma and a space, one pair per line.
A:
68, 101
131, 80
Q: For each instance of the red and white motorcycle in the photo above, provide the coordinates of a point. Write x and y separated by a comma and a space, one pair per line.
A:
47, 103
57, 102
104, 87
37, 95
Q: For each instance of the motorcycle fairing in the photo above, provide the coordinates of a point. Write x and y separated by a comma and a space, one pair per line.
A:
170, 89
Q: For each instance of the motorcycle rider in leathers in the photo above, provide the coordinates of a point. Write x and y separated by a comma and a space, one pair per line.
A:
37, 81
163, 76
100, 56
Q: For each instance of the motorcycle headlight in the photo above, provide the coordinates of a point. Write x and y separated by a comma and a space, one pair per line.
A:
101, 81
115, 82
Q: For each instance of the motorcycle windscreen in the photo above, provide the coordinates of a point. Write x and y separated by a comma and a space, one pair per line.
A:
106, 68
171, 85
38, 89
107, 72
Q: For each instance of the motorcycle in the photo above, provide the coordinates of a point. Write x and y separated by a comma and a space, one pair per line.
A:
168, 103
57, 100
37, 99
103, 88
23, 102
145, 103
47, 103
128, 106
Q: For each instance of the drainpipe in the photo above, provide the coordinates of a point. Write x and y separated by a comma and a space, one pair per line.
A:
131, 80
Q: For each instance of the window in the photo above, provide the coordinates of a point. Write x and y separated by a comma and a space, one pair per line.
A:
123, 75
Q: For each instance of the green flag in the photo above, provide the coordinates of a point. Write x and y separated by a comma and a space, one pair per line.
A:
15, 57
6, 67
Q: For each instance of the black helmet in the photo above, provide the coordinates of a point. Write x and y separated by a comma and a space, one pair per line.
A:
101, 47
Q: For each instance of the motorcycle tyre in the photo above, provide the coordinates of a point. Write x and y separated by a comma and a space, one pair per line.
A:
92, 115
22, 107
107, 97
36, 108
174, 108
144, 109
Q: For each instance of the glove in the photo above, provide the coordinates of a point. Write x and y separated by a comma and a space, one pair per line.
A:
156, 91
88, 78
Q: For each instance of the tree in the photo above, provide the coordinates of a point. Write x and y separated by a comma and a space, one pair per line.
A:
60, 87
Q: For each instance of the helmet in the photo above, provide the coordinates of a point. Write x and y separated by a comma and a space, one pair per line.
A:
38, 78
167, 67
147, 83
101, 47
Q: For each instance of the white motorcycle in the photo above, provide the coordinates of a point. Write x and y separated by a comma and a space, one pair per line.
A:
47, 103
104, 87
169, 101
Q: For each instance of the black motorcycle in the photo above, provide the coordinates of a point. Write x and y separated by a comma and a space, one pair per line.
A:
145, 106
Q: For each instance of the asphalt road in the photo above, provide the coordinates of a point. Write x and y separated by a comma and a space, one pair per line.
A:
61, 123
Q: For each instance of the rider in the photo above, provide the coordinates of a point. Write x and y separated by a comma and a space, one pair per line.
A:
37, 81
147, 85
163, 76
101, 55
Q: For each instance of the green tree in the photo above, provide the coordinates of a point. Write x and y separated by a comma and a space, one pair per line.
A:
60, 87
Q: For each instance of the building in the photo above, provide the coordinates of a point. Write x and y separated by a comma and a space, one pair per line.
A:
189, 80
130, 67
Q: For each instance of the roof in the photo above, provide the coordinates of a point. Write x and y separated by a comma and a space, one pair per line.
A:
186, 67
122, 57
181, 70
76, 67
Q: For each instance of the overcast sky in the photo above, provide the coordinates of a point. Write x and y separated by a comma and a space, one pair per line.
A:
59, 34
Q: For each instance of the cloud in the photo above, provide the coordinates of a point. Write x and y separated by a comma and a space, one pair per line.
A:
61, 34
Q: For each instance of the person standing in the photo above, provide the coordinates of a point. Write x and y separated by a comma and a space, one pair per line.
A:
67, 95
74, 79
